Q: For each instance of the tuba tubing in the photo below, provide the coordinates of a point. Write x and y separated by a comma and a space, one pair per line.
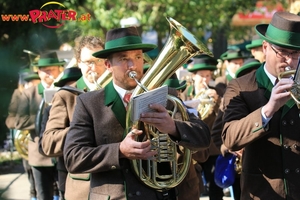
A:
179, 48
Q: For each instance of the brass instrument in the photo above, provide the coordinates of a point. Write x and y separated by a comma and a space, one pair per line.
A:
103, 80
21, 142
206, 103
295, 90
238, 164
179, 48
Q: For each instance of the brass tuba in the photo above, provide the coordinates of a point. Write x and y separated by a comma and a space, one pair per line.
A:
179, 48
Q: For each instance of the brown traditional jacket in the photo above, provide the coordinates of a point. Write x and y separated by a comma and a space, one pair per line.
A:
26, 120
92, 145
271, 158
61, 114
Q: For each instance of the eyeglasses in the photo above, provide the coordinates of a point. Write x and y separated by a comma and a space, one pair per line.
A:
286, 55
92, 63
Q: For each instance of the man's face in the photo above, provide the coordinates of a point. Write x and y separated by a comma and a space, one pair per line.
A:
202, 77
91, 67
258, 54
121, 63
279, 59
49, 73
234, 64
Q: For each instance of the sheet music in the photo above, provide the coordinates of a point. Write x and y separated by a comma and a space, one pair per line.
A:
140, 103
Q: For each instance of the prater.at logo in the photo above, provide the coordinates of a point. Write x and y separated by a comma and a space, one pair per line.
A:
45, 16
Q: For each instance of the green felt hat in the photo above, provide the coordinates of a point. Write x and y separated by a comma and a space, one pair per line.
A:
31, 76
232, 54
123, 39
249, 65
203, 62
48, 59
69, 74
283, 30
173, 82
254, 43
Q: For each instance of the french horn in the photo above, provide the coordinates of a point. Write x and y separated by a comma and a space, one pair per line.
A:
179, 48
21, 142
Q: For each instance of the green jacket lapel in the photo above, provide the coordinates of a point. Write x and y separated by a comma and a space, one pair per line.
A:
112, 98
263, 81
80, 84
41, 89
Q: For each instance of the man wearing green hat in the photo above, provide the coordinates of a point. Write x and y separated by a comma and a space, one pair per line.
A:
261, 117
97, 141
63, 104
202, 70
26, 80
49, 67
256, 49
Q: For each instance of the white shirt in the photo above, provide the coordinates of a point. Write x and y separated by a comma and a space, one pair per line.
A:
272, 78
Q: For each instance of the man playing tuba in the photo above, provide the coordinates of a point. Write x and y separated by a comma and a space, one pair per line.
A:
97, 141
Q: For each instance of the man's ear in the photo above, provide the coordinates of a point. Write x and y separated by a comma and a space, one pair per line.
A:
264, 46
108, 65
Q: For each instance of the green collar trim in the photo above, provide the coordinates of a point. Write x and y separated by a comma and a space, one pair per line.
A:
113, 99
228, 77
41, 89
80, 84
263, 81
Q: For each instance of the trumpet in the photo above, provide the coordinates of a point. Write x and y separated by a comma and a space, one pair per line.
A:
206, 103
295, 90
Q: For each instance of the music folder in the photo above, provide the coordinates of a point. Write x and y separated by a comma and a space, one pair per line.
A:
140, 103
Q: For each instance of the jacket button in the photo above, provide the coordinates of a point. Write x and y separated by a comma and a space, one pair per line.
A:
297, 170
138, 193
113, 167
283, 122
287, 171
292, 122
296, 147
285, 147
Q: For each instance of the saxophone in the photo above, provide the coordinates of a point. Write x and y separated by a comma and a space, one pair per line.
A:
179, 48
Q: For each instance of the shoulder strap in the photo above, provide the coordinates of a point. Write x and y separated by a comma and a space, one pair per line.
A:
72, 89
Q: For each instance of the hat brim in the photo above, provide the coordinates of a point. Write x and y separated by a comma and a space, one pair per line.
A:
106, 52
31, 77
207, 67
63, 82
247, 68
261, 31
251, 46
47, 65
182, 86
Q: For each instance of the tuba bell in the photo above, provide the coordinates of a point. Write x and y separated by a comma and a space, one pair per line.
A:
179, 48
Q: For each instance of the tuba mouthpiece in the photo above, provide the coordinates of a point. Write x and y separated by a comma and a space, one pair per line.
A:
132, 74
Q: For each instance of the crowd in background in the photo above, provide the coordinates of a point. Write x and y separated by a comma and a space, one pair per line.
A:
74, 156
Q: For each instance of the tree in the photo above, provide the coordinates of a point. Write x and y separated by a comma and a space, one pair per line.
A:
208, 20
